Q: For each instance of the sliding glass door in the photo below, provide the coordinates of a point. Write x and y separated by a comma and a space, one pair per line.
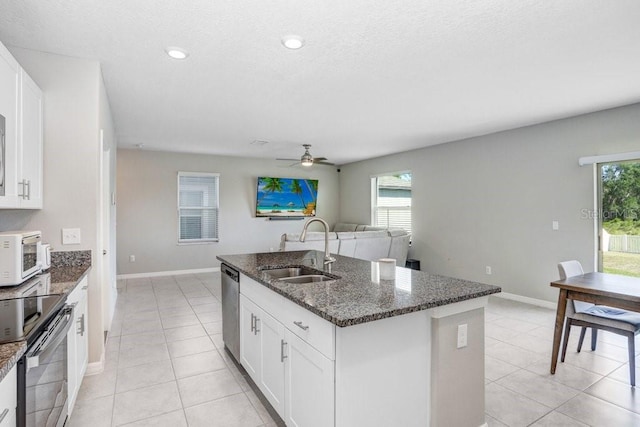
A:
619, 217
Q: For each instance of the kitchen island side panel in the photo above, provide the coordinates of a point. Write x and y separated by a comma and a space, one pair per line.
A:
383, 372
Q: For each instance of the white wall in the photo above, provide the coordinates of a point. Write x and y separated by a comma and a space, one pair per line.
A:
147, 210
490, 200
72, 114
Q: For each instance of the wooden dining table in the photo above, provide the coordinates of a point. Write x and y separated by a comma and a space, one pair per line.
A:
608, 289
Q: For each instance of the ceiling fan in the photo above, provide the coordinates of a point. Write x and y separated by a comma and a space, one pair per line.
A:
307, 159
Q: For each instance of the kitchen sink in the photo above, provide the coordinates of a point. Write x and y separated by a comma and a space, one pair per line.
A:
297, 274
309, 278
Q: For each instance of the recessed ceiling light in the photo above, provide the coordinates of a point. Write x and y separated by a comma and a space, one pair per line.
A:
292, 42
177, 52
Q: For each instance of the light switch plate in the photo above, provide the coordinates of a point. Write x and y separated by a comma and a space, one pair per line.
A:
70, 236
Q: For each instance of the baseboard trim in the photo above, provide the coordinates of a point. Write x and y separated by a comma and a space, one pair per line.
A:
527, 300
167, 273
95, 368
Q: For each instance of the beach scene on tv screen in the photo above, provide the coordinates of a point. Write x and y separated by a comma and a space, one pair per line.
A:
286, 197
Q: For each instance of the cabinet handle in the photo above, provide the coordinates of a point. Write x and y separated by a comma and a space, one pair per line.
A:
301, 326
282, 355
256, 330
4, 414
253, 324
28, 186
81, 326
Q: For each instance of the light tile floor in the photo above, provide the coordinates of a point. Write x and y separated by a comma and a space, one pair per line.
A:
588, 389
165, 362
166, 366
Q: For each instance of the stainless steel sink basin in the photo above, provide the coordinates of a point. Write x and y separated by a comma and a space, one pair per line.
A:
297, 274
310, 278
279, 273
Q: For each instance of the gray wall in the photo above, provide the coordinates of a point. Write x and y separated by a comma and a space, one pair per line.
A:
147, 211
490, 200
73, 114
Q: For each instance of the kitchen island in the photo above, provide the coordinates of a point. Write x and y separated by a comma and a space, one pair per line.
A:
357, 350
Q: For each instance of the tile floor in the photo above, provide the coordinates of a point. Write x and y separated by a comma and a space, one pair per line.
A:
166, 366
165, 362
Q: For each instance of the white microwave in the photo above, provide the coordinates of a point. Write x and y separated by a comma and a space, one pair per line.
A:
19, 256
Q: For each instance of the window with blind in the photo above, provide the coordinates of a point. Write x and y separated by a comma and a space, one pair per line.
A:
198, 207
391, 200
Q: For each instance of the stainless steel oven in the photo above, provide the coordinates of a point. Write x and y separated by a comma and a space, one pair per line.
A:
42, 371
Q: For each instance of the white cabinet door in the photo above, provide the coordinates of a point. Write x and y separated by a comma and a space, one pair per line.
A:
77, 343
8, 399
309, 388
273, 361
9, 93
30, 143
250, 352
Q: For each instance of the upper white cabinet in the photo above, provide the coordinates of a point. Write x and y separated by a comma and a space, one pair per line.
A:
9, 90
30, 143
21, 150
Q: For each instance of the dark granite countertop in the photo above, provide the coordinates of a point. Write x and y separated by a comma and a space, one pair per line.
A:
356, 297
59, 280
10, 353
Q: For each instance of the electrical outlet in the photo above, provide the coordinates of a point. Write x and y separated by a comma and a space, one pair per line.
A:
132, 258
462, 335
555, 225
487, 269
70, 236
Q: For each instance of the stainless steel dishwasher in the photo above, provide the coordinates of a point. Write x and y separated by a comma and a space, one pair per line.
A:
231, 310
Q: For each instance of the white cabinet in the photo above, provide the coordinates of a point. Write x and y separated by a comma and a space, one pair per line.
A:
309, 379
21, 154
276, 338
262, 349
9, 95
8, 399
30, 144
77, 342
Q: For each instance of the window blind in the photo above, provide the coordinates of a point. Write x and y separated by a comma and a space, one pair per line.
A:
198, 207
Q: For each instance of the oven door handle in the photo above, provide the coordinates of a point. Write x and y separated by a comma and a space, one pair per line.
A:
51, 342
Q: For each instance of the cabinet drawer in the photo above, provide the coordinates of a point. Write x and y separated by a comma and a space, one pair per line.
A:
313, 329
8, 393
79, 292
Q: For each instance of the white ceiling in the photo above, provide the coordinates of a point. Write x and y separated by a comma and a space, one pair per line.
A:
375, 77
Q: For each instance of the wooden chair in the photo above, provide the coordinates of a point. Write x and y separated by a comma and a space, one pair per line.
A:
597, 317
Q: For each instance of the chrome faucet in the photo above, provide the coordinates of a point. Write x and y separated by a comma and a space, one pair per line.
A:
328, 259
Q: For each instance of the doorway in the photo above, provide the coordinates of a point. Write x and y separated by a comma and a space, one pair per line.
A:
619, 217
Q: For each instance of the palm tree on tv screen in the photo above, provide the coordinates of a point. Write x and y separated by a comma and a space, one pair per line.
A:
296, 188
271, 185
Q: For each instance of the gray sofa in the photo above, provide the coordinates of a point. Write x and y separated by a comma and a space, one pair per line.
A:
354, 240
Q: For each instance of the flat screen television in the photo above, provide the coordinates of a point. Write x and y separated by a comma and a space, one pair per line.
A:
286, 197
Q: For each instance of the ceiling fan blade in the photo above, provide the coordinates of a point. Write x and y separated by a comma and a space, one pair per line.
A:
324, 163
319, 159
290, 160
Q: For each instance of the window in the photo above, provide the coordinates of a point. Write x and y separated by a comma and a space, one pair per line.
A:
197, 207
391, 200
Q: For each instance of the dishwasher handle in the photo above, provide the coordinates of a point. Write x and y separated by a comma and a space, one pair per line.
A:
230, 272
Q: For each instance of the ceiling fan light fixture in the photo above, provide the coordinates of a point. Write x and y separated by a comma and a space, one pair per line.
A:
306, 161
292, 42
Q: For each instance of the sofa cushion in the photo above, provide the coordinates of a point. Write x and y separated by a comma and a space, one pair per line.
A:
347, 243
343, 226
372, 245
